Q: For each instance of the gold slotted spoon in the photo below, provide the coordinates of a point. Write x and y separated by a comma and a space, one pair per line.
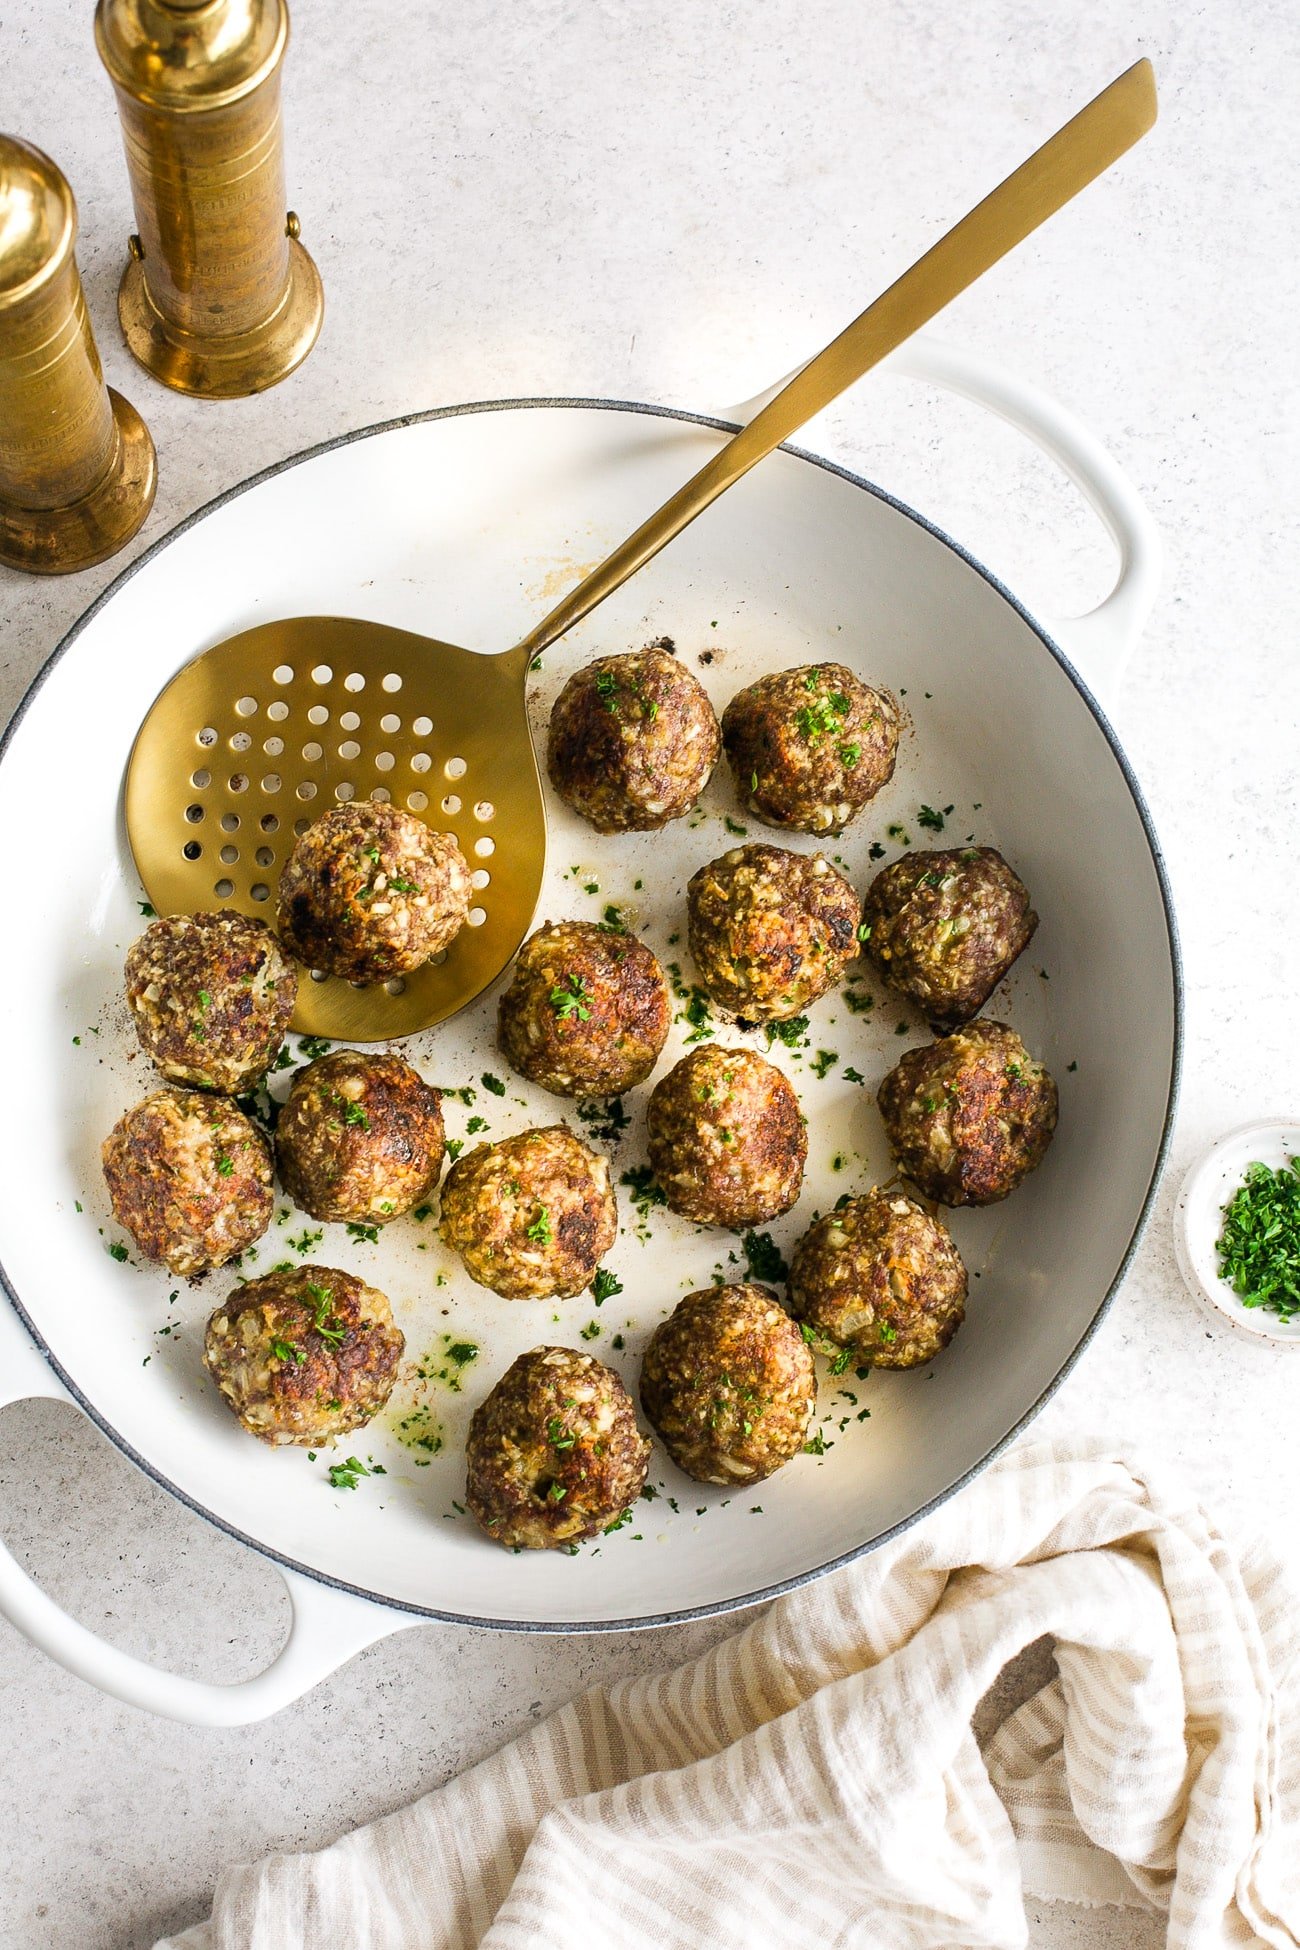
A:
263, 732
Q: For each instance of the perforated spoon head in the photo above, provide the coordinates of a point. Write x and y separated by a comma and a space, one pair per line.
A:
261, 734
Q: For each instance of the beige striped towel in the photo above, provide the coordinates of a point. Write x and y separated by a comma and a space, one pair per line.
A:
814, 1781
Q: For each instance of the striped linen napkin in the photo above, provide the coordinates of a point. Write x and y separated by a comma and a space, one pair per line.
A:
814, 1781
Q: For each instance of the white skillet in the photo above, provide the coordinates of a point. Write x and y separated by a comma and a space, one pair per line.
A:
435, 516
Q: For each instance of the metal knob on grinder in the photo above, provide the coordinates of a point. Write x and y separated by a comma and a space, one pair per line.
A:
77, 466
219, 297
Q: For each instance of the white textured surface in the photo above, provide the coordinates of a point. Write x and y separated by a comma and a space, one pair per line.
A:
677, 203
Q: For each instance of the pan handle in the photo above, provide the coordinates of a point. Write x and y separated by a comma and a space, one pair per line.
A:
328, 1626
1101, 641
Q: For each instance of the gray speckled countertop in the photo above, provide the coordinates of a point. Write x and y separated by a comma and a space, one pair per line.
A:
677, 204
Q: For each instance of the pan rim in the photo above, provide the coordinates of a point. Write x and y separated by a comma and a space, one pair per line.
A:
779, 1588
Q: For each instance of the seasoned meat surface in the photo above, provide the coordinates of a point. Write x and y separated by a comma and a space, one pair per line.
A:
770, 930
360, 1138
211, 996
727, 1140
970, 1116
531, 1216
370, 892
810, 747
944, 927
633, 740
729, 1384
882, 1277
587, 1010
304, 1355
190, 1179
554, 1453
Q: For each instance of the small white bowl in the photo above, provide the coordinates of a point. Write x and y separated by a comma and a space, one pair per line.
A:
1198, 1221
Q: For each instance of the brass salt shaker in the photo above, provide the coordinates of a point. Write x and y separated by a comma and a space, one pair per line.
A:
218, 297
77, 468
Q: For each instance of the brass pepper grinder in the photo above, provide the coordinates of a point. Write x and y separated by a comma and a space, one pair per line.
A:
219, 297
77, 468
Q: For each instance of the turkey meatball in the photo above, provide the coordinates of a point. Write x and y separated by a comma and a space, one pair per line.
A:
190, 1179
970, 1116
587, 1010
370, 892
944, 927
727, 1140
304, 1355
881, 1277
360, 1138
770, 930
531, 1216
633, 740
211, 996
554, 1452
729, 1384
810, 747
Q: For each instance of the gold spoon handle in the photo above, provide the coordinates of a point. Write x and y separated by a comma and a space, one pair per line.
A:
1088, 144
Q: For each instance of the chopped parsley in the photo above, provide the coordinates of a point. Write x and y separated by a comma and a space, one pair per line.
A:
286, 1351
930, 819
147, 909
569, 999
369, 1235
346, 1475
541, 1231
1259, 1246
559, 1434
475, 1125
605, 1285
793, 1032
824, 1061
612, 919
763, 1258
116, 1250
313, 1046
607, 689
327, 1323
356, 1114
734, 826
824, 717
225, 1165
494, 1084
454, 1148
591, 1331
447, 1363
607, 1119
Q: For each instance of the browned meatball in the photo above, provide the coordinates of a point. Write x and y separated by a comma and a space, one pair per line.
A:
770, 930
211, 996
531, 1216
944, 927
633, 740
810, 747
969, 1116
554, 1453
370, 892
190, 1179
726, 1137
360, 1138
880, 1276
587, 1010
729, 1384
304, 1355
